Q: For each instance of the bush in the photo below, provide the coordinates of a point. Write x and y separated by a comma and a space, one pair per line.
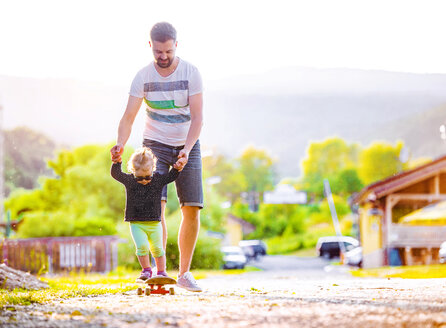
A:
284, 245
39, 224
94, 226
126, 254
207, 253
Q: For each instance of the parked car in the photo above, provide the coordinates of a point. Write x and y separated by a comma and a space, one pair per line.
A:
328, 247
233, 257
442, 253
353, 257
253, 248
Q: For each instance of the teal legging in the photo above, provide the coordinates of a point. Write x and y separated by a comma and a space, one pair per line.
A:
147, 236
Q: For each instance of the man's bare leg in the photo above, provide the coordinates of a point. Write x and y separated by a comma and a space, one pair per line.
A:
187, 236
163, 223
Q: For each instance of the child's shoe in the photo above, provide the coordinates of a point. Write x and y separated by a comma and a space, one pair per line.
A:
161, 274
145, 274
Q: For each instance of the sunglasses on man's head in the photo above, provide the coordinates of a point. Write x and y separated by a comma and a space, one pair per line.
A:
147, 177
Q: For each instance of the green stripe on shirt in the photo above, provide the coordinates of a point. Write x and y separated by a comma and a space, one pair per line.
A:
162, 104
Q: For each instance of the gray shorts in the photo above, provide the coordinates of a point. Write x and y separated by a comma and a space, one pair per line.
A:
189, 182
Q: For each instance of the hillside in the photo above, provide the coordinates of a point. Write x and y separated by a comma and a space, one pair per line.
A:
26, 153
286, 126
421, 132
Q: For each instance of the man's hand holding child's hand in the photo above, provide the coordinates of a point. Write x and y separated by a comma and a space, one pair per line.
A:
116, 153
181, 162
179, 165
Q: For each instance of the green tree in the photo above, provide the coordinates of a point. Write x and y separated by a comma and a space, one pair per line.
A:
326, 160
380, 160
232, 181
322, 214
273, 219
82, 189
241, 209
346, 182
83, 199
213, 214
258, 169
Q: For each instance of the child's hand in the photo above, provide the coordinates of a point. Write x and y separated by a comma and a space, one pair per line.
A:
116, 153
180, 163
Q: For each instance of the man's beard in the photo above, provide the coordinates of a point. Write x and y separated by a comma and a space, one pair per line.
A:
164, 64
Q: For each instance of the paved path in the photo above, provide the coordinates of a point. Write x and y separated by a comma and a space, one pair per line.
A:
303, 298
290, 263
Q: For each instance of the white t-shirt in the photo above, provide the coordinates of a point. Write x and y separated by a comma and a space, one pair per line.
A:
167, 99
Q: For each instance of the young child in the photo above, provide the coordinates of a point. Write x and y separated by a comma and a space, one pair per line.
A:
143, 207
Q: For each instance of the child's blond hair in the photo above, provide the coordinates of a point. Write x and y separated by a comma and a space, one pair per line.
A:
142, 160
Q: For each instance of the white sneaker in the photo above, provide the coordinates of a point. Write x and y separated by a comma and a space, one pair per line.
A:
188, 282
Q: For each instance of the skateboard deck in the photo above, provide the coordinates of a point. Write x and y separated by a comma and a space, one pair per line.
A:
156, 286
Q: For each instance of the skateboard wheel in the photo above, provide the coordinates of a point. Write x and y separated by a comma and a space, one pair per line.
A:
139, 291
147, 291
171, 291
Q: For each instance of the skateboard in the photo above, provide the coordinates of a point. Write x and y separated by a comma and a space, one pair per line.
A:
156, 286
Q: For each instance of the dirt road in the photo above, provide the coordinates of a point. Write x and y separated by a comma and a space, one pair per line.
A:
257, 299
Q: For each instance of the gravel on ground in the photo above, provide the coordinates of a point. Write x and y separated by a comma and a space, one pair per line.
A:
254, 299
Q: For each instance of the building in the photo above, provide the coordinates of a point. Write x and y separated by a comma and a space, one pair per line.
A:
385, 237
236, 229
285, 194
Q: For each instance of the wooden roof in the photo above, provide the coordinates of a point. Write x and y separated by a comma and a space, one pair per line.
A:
398, 181
246, 226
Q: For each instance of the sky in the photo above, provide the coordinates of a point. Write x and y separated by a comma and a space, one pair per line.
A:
107, 41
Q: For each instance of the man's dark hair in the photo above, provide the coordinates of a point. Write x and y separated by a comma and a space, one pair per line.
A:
162, 32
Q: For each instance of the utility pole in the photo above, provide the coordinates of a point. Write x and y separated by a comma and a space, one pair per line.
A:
334, 215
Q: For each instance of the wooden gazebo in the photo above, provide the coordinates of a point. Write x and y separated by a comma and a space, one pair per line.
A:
382, 204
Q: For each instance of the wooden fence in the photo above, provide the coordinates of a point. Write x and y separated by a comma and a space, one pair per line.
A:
416, 236
61, 254
417, 245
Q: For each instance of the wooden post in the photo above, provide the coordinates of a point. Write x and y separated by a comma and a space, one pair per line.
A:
428, 256
92, 258
408, 255
107, 255
5, 251
437, 184
114, 246
50, 257
391, 201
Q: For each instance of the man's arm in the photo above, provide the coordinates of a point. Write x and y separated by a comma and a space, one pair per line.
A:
125, 127
196, 113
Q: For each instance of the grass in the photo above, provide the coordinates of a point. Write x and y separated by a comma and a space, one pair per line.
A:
64, 287
82, 285
407, 272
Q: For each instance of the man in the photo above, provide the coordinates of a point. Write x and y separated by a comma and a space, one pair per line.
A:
172, 91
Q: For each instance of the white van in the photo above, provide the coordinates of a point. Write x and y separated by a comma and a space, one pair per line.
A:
328, 247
